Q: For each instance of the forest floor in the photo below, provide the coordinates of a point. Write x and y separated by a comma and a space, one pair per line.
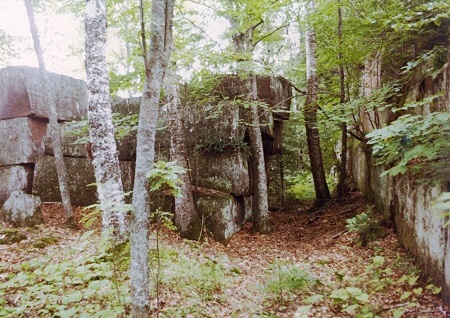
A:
309, 266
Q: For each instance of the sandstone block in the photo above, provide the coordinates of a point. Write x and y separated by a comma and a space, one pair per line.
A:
22, 210
15, 178
81, 179
23, 94
22, 140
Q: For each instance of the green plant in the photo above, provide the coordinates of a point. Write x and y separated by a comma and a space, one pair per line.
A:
367, 226
414, 143
285, 279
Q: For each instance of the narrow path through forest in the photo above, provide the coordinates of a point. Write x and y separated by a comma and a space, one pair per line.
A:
310, 263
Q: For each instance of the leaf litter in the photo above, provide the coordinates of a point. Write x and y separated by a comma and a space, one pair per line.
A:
342, 278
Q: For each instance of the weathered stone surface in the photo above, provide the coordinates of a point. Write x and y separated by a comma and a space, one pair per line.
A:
126, 106
15, 178
22, 140
81, 175
224, 215
22, 94
22, 210
215, 126
126, 147
226, 172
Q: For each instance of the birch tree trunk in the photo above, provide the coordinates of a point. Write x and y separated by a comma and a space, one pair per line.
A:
101, 129
155, 64
186, 217
344, 139
260, 211
55, 133
242, 41
310, 113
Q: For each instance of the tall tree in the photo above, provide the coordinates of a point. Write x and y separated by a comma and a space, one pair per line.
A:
55, 133
103, 146
155, 67
186, 217
243, 46
343, 165
310, 113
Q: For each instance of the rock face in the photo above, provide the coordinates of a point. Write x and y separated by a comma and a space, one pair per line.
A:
23, 96
403, 199
81, 179
216, 137
22, 210
15, 178
22, 140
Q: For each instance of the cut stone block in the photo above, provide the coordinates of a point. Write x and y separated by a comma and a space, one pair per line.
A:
22, 210
23, 95
22, 140
222, 171
216, 126
81, 174
15, 178
224, 215
126, 147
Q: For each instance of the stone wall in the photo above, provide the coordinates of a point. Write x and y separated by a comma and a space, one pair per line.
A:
216, 139
407, 202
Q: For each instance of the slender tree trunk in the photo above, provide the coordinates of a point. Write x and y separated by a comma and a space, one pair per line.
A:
342, 168
155, 64
103, 146
311, 123
260, 211
242, 42
186, 217
55, 133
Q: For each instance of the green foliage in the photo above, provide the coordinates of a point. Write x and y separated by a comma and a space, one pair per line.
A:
442, 204
53, 286
414, 143
284, 280
165, 176
367, 226
43, 242
11, 236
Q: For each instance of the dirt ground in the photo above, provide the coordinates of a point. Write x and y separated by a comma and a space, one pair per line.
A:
317, 241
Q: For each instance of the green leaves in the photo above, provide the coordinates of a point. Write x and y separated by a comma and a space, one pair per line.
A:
413, 143
165, 175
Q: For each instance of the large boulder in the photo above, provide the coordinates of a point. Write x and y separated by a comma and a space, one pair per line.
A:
223, 213
81, 181
22, 94
22, 209
22, 140
222, 171
15, 178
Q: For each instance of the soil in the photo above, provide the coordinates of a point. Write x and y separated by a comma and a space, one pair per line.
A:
317, 241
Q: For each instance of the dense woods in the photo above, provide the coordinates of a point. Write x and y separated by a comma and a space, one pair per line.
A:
318, 111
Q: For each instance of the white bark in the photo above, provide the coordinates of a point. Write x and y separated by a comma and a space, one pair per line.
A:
160, 43
55, 133
186, 217
101, 129
242, 41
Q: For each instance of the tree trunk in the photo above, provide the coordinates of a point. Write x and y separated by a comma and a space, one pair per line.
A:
55, 133
311, 124
260, 211
186, 217
160, 43
103, 145
242, 41
342, 168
